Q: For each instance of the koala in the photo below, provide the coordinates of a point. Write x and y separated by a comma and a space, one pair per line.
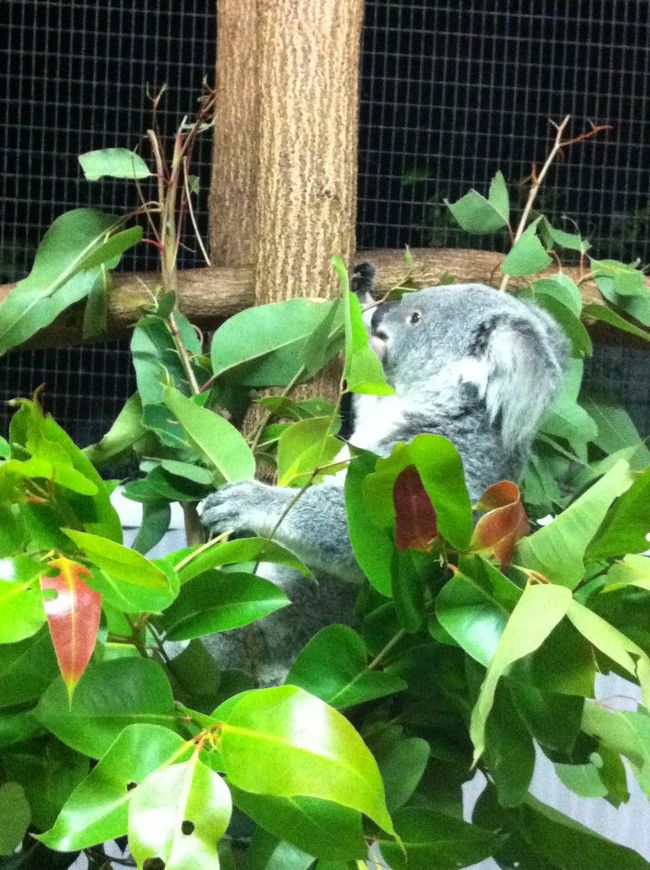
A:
466, 361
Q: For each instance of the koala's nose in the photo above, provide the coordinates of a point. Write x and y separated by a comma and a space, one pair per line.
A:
377, 317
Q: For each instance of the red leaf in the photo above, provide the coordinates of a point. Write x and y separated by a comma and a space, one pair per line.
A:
504, 523
73, 618
417, 524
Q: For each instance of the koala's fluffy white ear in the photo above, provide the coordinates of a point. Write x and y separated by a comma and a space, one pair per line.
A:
521, 371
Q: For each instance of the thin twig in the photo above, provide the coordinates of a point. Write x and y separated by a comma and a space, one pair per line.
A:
190, 210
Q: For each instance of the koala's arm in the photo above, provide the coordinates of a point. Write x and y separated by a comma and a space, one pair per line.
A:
314, 528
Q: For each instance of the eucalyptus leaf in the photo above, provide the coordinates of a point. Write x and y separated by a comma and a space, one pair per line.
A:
97, 809
334, 667
218, 553
527, 256
15, 816
536, 614
125, 432
114, 163
476, 214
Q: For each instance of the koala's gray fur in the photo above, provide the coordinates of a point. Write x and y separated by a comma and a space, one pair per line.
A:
468, 362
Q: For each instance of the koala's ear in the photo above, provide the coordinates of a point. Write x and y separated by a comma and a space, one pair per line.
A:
520, 361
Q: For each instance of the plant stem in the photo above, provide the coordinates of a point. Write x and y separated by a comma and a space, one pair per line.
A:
381, 655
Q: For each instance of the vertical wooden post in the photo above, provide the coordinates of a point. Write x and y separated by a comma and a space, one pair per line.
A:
283, 196
233, 192
308, 130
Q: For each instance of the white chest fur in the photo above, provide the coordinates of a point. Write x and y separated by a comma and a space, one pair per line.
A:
375, 418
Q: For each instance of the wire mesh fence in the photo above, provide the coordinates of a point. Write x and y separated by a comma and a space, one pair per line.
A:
451, 92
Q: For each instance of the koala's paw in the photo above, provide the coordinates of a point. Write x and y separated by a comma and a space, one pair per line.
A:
234, 508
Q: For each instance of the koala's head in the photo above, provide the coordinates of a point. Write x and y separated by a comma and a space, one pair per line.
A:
434, 341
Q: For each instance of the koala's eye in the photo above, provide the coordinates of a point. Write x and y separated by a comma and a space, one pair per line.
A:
416, 317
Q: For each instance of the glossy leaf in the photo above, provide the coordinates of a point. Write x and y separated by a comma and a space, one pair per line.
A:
613, 318
373, 546
627, 525
509, 750
156, 517
624, 733
220, 601
270, 853
474, 607
219, 553
21, 602
114, 163
26, 669
441, 471
436, 841
73, 618
558, 549
177, 815
552, 719
476, 214
303, 447
111, 695
536, 614
402, 768
334, 667
613, 643
416, 524
125, 432
632, 571
57, 278
156, 360
264, 346
318, 827
568, 320
97, 809
222, 446
285, 742
15, 816
503, 524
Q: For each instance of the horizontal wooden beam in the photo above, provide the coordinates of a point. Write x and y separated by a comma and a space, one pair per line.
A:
208, 296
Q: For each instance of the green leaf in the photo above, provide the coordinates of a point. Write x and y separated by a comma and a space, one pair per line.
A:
637, 306
187, 470
318, 827
570, 241
509, 750
269, 853
109, 696
608, 315
627, 525
475, 605
536, 614
15, 816
123, 565
17, 727
264, 346
97, 809
21, 600
125, 432
436, 841
552, 719
632, 570
627, 279
177, 815
616, 429
156, 517
114, 163
441, 471
402, 767
583, 779
362, 371
26, 669
613, 643
318, 346
566, 419
622, 733
218, 601
304, 446
156, 359
218, 553
268, 750
222, 446
476, 214
558, 549
59, 275
567, 319
373, 547
334, 667
527, 256
110, 252
564, 664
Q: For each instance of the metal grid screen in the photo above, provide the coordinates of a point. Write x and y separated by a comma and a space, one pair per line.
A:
451, 92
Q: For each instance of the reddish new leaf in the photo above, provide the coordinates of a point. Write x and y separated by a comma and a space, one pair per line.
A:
73, 618
504, 523
417, 524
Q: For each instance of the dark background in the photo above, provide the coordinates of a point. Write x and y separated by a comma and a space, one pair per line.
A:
450, 92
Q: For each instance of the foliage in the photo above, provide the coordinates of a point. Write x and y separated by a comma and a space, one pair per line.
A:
478, 636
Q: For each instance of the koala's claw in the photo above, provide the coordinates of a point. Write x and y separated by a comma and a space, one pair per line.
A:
232, 508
